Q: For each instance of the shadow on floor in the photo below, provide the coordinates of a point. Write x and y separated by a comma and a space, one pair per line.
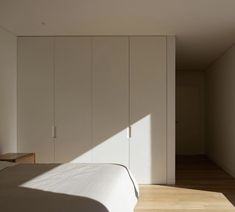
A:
199, 172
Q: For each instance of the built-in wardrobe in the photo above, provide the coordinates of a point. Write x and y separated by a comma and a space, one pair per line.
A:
104, 99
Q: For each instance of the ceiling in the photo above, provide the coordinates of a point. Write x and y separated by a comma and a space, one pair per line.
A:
204, 28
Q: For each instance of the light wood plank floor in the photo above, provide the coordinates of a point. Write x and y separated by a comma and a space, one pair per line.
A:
200, 186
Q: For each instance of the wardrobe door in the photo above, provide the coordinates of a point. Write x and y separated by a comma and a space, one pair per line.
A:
110, 100
73, 99
148, 109
35, 97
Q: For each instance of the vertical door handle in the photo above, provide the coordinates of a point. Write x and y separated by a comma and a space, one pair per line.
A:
129, 132
53, 131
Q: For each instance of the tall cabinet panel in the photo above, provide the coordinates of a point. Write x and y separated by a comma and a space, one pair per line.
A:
73, 99
106, 97
148, 109
110, 100
35, 97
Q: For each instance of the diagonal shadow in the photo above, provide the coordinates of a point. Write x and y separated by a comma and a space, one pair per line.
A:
14, 197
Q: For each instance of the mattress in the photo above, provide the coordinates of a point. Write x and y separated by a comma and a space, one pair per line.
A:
67, 187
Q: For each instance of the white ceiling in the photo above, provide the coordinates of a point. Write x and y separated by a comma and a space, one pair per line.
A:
204, 28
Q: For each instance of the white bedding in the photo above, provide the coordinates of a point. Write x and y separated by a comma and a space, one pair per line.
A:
109, 184
5, 164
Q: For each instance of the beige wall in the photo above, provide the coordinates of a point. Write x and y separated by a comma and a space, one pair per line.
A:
7, 92
221, 111
190, 112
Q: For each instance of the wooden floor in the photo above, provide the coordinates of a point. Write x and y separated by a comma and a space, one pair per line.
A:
200, 186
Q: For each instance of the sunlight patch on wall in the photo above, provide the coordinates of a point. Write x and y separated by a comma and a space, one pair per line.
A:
141, 147
114, 149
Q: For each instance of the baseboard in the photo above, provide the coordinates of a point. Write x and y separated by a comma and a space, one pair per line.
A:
222, 166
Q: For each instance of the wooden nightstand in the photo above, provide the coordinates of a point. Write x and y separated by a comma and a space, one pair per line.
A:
18, 157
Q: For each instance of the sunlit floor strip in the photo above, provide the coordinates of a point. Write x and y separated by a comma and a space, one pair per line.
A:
166, 198
201, 186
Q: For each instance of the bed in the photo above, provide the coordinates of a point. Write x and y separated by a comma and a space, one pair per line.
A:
67, 187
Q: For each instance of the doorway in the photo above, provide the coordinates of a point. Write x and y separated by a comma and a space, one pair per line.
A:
194, 170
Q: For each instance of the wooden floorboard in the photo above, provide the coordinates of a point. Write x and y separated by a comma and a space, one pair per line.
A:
200, 186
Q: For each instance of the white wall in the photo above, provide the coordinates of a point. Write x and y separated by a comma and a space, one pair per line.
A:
220, 78
8, 132
190, 115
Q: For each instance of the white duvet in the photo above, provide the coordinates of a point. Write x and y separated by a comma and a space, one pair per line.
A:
5, 164
111, 185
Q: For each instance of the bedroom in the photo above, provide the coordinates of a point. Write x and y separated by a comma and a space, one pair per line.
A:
95, 83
